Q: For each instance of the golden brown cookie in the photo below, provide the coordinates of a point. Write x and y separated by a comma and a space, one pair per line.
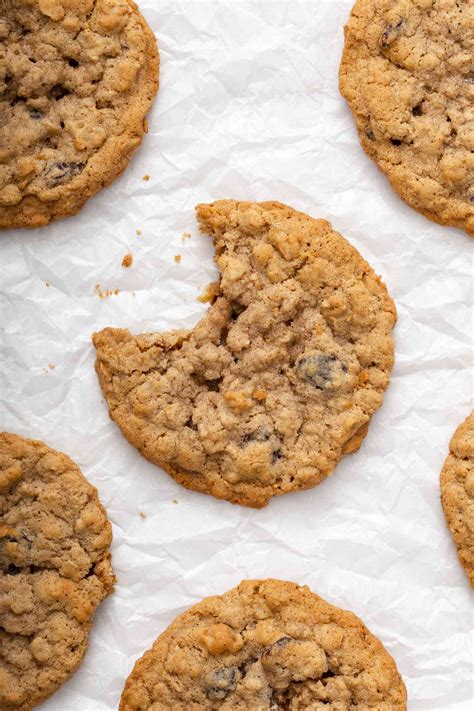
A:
407, 73
457, 493
54, 569
279, 379
76, 82
266, 645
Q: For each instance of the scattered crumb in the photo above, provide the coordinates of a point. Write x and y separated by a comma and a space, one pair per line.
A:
174, 501
51, 366
138, 231
46, 283
142, 514
105, 294
146, 177
210, 292
127, 261
185, 236
177, 258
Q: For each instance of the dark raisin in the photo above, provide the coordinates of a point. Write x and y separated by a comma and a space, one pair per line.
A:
370, 134
58, 92
395, 142
390, 34
471, 198
72, 62
35, 114
276, 455
282, 642
13, 570
417, 110
62, 171
263, 434
320, 370
220, 683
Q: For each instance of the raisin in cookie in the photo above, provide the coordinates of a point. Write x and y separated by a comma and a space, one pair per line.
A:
281, 376
76, 81
54, 569
457, 493
407, 73
265, 645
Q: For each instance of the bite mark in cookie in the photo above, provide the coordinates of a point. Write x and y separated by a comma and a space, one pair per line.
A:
281, 376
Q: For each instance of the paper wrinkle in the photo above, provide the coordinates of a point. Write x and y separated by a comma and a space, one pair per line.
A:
249, 108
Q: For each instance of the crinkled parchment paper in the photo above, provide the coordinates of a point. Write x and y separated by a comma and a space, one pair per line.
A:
249, 108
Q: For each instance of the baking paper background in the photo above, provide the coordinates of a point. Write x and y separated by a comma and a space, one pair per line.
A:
249, 108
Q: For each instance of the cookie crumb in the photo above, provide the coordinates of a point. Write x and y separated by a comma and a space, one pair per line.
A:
105, 294
127, 261
146, 177
47, 284
51, 366
177, 258
210, 293
174, 501
138, 232
142, 514
185, 236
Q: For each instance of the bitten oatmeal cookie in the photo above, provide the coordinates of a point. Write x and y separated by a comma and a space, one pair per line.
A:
407, 73
54, 569
265, 645
457, 493
281, 376
77, 78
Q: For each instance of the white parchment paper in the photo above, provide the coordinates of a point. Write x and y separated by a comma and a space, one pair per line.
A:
249, 108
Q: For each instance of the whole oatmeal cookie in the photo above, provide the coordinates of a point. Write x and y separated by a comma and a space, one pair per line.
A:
77, 78
457, 493
54, 569
407, 73
281, 376
265, 645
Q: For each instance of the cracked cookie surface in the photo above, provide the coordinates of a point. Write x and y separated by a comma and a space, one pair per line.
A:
76, 81
457, 493
265, 645
407, 73
54, 569
279, 379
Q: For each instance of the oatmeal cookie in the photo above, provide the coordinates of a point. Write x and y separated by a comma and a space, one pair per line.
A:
407, 73
279, 379
265, 645
77, 78
54, 569
457, 493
